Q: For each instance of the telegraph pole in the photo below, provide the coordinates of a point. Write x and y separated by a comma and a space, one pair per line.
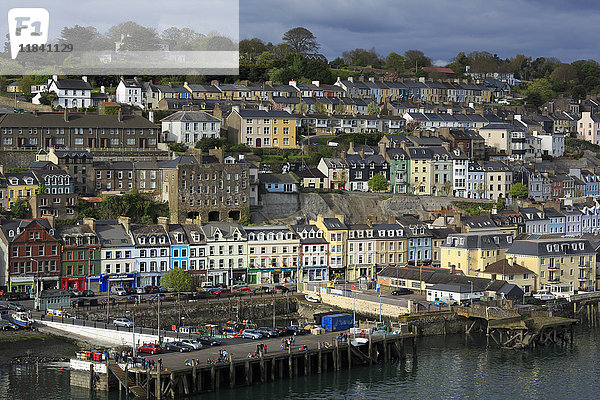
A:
158, 317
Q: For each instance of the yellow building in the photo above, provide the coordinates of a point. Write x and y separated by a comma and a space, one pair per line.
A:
471, 253
19, 186
335, 232
561, 265
511, 272
262, 129
284, 129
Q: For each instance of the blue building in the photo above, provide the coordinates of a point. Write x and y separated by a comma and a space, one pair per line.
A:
180, 246
418, 244
556, 220
475, 181
278, 183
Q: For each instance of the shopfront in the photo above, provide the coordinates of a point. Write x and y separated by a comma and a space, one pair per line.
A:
117, 280
94, 283
313, 273
272, 275
339, 273
72, 283
21, 284
149, 279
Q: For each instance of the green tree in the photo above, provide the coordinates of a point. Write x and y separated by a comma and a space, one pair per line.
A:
320, 108
339, 109
301, 40
540, 87
210, 143
47, 98
19, 209
519, 190
245, 218
178, 280
416, 58
26, 83
177, 147
564, 73
372, 108
378, 183
394, 62
500, 204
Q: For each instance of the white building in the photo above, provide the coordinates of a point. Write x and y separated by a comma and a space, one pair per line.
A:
453, 294
227, 252
188, 127
551, 144
71, 93
117, 260
129, 91
460, 172
152, 246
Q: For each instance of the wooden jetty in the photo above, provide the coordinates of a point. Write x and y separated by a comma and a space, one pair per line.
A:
509, 330
201, 377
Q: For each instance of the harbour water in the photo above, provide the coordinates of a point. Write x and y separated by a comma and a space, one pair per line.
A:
451, 367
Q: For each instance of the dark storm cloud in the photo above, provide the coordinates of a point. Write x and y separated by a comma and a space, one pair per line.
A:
441, 28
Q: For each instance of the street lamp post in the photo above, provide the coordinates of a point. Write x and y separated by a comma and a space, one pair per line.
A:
471, 295
132, 332
36, 283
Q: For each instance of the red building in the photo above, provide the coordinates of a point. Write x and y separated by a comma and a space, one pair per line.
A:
31, 253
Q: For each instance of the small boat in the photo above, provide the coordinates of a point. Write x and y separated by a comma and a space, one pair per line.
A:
312, 298
21, 320
358, 341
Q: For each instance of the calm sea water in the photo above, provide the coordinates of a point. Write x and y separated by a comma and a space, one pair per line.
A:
449, 367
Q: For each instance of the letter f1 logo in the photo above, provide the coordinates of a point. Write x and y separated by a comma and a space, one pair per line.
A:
27, 26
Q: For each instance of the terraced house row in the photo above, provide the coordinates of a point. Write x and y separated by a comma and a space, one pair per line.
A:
99, 254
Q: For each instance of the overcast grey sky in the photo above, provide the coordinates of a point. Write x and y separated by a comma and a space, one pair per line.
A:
566, 29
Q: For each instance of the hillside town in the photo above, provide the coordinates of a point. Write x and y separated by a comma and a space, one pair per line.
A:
532, 221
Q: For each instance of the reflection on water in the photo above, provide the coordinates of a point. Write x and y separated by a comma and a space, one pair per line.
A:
452, 367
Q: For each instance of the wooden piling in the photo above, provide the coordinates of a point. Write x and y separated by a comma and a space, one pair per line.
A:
194, 376
213, 377
273, 366
231, 372
306, 364
157, 386
349, 355
172, 386
263, 371
320, 365
290, 366
248, 373
370, 349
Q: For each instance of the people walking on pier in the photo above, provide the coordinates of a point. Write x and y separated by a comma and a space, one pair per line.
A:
265, 348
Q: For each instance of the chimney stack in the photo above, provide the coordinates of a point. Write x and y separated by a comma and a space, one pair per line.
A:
120, 115
91, 223
164, 222
66, 114
126, 222
50, 218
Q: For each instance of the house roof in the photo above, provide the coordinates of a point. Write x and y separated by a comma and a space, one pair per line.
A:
310, 173
191, 116
52, 120
276, 178
78, 84
550, 247
504, 267
433, 277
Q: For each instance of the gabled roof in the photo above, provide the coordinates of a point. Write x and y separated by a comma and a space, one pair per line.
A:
190, 116
276, 178
504, 267
77, 84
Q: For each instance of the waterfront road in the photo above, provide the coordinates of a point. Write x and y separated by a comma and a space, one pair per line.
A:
240, 348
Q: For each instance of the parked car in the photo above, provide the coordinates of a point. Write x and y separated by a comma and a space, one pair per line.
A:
401, 291
88, 293
262, 289
282, 288
177, 346
123, 322
140, 289
16, 306
219, 291
494, 309
118, 291
268, 332
440, 303
282, 331
152, 289
297, 330
243, 289
251, 334
194, 344
150, 348
76, 293
209, 341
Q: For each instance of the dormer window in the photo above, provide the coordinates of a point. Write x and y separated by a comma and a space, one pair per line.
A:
581, 245
162, 239
319, 234
251, 236
549, 248
11, 233
142, 239
152, 239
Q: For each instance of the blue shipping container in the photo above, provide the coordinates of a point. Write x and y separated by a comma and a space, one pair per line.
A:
337, 322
